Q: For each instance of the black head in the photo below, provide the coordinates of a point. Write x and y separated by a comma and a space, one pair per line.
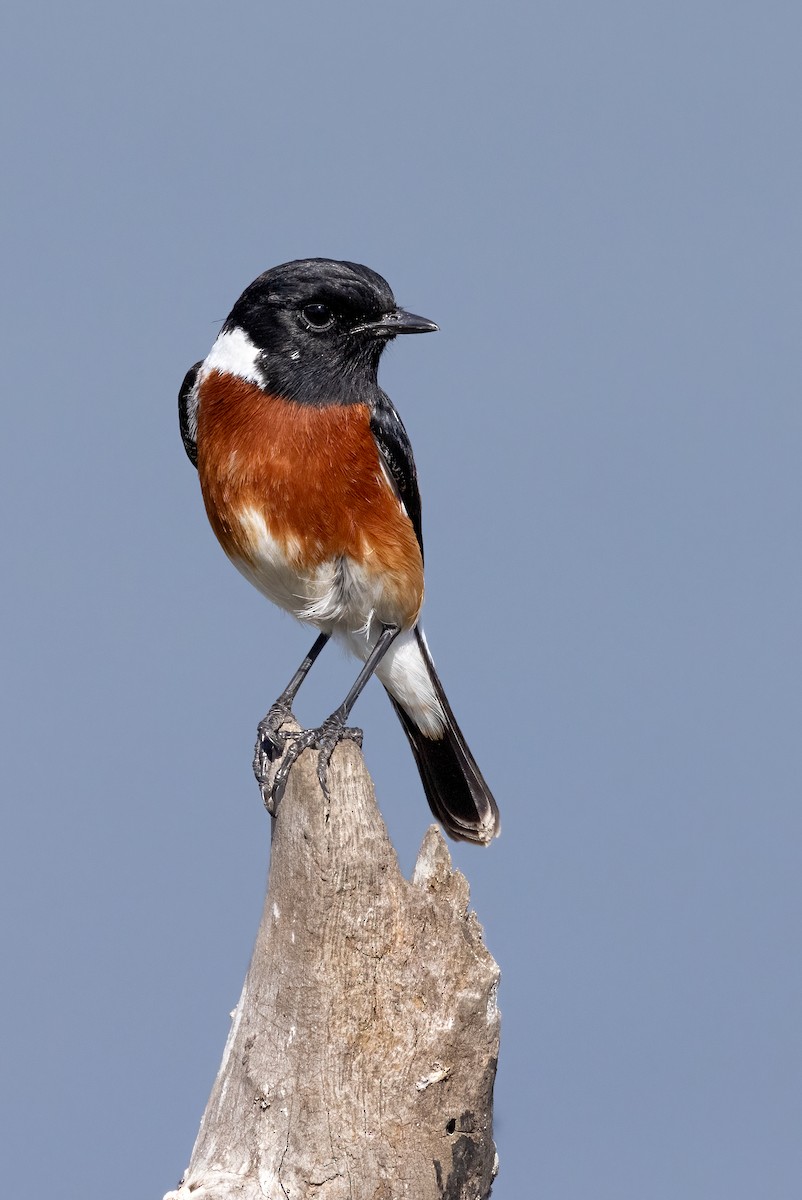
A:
318, 328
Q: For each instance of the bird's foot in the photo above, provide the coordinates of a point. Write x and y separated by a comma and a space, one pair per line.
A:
271, 738
271, 741
324, 739
333, 731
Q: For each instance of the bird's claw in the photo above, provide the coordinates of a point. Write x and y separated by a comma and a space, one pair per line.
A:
271, 741
271, 738
324, 740
329, 735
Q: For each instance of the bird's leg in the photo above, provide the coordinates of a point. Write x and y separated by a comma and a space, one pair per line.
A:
334, 728
270, 741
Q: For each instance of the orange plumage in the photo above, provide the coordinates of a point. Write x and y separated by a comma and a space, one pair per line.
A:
315, 477
310, 486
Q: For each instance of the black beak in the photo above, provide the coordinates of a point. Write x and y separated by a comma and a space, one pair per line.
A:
397, 321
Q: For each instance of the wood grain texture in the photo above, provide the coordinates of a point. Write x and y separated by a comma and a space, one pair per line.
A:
362, 1053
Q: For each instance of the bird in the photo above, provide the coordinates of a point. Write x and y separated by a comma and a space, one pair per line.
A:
310, 486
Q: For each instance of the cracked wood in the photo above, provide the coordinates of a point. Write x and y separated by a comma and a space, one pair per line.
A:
362, 1053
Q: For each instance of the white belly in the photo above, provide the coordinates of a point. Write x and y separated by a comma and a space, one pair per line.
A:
341, 597
338, 594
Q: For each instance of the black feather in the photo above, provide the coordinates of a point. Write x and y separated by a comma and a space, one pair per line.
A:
188, 413
396, 451
455, 788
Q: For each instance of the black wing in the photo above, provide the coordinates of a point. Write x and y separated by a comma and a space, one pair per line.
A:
396, 451
188, 413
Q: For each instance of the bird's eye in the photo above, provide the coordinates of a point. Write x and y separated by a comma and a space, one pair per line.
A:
318, 316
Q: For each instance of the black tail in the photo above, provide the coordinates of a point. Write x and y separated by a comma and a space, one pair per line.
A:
457, 794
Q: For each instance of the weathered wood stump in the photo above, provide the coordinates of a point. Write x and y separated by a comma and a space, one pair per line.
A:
362, 1053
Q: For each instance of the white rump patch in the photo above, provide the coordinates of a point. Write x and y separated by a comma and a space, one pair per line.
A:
234, 354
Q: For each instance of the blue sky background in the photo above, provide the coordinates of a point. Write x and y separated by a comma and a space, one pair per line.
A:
600, 205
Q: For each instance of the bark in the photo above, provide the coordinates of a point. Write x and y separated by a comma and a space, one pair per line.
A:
362, 1053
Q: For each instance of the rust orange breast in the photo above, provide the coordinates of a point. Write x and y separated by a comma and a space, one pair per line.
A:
313, 474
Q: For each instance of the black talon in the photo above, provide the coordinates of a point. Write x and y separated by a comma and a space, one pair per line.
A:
295, 745
271, 737
270, 743
331, 733
325, 740
273, 742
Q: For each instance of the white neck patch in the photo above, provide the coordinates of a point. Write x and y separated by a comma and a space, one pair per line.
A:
234, 354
